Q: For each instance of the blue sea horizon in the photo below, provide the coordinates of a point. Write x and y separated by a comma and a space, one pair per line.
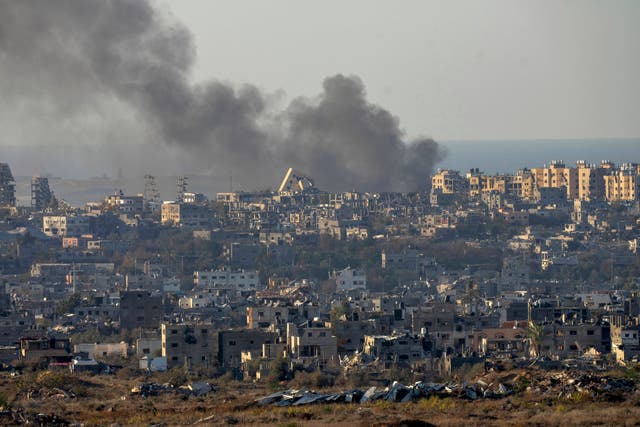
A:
508, 156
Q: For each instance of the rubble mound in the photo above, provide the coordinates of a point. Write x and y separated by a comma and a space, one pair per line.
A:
493, 385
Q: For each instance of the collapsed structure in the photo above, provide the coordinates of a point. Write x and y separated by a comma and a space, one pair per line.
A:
7, 186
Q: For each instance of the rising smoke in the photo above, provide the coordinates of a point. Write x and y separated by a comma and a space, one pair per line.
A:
66, 63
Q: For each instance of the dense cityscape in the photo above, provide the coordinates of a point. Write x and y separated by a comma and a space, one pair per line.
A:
540, 266
346, 214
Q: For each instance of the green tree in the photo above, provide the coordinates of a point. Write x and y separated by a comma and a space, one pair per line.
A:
69, 304
534, 333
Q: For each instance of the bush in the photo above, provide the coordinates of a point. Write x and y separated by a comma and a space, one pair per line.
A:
279, 370
315, 379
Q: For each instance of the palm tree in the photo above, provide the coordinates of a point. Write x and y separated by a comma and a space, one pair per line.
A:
534, 333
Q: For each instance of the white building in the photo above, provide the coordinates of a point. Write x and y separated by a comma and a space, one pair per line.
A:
350, 279
60, 226
197, 300
225, 279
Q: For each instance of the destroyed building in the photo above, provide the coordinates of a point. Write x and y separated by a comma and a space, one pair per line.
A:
7, 186
40, 193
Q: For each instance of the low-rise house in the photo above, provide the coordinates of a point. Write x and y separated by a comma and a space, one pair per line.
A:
350, 279
231, 344
189, 345
312, 343
394, 350
51, 350
101, 350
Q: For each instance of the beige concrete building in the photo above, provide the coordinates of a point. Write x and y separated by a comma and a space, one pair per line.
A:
190, 345
448, 181
519, 185
557, 175
591, 180
62, 226
623, 185
312, 342
185, 215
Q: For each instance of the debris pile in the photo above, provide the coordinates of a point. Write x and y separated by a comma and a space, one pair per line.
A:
562, 384
22, 417
199, 388
568, 383
49, 393
397, 392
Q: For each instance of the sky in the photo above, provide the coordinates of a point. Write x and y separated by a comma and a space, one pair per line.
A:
452, 70
360, 94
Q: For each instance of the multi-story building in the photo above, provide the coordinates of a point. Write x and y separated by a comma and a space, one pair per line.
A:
623, 184
393, 350
185, 215
350, 279
65, 225
231, 345
7, 186
127, 205
312, 342
448, 182
557, 175
140, 309
40, 193
522, 184
226, 279
591, 181
189, 345
567, 340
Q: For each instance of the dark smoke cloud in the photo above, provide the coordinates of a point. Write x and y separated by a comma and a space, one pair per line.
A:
348, 142
69, 62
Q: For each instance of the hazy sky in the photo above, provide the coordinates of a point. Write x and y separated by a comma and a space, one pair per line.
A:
486, 69
207, 86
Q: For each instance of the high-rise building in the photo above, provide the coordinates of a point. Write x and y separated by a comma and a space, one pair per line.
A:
7, 186
557, 175
40, 193
591, 180
623, 184
448, 182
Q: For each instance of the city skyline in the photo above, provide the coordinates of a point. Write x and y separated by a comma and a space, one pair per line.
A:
223, 92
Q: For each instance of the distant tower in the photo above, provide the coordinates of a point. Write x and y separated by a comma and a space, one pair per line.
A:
40, 193
151, 195
7, 186
182, 184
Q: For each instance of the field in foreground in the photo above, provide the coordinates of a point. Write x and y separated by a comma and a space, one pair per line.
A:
539, 398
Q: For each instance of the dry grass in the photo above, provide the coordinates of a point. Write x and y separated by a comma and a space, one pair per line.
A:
106, 400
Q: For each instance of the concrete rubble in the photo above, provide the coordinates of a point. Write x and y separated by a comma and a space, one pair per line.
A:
545, 384
199, 388
22, 417
397, 392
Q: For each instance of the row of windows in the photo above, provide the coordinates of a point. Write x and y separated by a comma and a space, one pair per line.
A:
202, 331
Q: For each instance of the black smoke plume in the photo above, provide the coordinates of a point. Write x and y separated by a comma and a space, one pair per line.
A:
66, 63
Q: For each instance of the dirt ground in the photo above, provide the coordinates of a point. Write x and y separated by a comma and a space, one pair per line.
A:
44, 398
